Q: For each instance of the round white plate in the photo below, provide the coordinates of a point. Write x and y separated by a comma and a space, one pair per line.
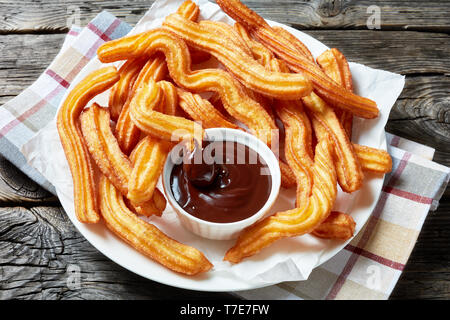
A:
360, 205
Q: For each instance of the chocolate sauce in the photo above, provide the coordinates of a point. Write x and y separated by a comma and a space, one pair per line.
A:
230, 182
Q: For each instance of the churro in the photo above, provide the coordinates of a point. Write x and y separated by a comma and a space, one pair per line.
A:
373, 160
298, 62
148, 159
297, 221
335, 65
105, 150
239, 63
171, 128
72, 140
325, 122
171, 100
145, 237
234, 98
127, 133
119, 92
201, 110
297, 147
338, 225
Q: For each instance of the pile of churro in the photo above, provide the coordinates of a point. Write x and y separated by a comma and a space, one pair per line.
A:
268, 82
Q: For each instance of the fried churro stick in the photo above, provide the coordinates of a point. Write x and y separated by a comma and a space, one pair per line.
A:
102, 145
298, 62
171, 128
171, 100
148, 161
191, 11
295, 42
234, 98
75, 149
104, 149
297, 146
373, 160
226, 31
240, 64
201, 110
298, 149
259, 52
147, 238
335, 65
325, 122
264, 57
120, 91
338, 225
350, 156
127, 133
297, 221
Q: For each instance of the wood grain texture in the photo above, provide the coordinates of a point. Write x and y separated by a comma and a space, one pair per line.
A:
15, 187
47, 16
40, 250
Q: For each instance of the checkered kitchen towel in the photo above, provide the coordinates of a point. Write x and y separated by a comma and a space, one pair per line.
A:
368, 268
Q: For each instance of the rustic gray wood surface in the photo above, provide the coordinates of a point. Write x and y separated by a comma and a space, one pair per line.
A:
39, 246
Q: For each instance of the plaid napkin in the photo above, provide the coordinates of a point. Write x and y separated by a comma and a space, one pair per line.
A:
368, 268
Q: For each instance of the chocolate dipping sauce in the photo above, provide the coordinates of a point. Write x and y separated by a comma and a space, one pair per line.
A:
229, 185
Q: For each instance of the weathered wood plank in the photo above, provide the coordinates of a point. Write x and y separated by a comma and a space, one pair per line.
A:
16, 187
404, 52
56, 16
40, 250
422, 114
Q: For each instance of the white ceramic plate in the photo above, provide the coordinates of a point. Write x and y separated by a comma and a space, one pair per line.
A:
360, 206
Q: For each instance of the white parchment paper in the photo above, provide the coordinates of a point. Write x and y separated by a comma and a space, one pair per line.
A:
287, 259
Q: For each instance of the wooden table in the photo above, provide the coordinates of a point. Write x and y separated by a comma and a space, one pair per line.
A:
37, 241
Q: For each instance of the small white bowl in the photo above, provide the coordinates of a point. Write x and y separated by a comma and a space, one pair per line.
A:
224, 231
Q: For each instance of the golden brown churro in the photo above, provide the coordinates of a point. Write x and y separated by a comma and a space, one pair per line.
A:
338, 225
297, 221
298, 149
145, 237
325, 122
335, 65
127, 133
237, 103
75, 150
374, 160
120, 91
239, 63
158, 124
298, 62
104, 149
201, 110
148, 161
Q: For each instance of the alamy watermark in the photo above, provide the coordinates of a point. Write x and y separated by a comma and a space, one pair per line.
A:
374, 20
73, 280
